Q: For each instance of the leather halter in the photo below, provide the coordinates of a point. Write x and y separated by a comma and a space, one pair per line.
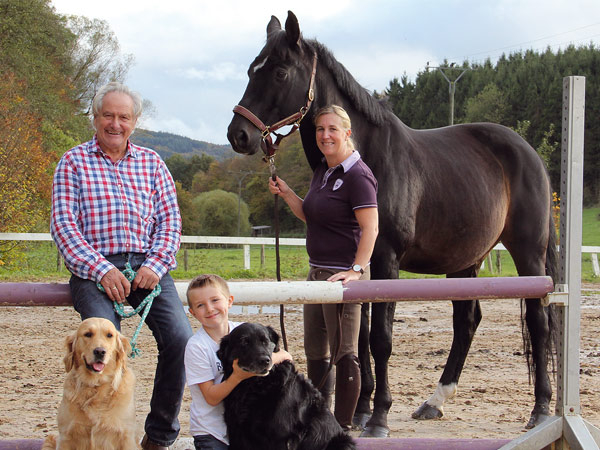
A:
268, 146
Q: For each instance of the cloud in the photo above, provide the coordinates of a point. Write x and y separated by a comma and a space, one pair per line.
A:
221, 71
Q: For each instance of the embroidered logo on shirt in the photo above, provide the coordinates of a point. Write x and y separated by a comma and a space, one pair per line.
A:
338, 183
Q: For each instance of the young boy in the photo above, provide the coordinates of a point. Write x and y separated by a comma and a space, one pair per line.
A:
209, 301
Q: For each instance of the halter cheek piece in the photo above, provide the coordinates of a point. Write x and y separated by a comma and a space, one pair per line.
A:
268, 146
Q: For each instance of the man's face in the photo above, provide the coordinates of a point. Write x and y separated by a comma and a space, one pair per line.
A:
115, 122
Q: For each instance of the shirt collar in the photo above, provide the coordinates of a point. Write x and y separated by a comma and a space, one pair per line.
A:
348, 162
94, 147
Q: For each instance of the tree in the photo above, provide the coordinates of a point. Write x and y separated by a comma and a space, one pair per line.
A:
95, 58
215, 213
488, 106
24, 180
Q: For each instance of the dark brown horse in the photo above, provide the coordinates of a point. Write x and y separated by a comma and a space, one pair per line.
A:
446, 197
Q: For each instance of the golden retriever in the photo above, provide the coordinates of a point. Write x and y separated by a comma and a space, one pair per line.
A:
97, 411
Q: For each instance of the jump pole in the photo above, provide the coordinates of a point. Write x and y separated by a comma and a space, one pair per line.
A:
307, 292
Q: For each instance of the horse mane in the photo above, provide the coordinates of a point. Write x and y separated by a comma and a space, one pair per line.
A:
374, 110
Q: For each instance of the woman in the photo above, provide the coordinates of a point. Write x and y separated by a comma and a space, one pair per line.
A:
340, 211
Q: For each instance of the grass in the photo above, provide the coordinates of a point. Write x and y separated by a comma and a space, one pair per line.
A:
37, 261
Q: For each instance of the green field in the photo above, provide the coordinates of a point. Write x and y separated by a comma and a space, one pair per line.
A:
38, 260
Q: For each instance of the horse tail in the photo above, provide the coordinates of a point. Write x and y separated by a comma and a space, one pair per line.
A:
551, 271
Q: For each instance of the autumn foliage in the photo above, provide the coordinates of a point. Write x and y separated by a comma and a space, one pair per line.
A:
24, 165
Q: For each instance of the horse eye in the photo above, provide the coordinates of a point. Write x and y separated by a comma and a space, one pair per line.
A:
281, 74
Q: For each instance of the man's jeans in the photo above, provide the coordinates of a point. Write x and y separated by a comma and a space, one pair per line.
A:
171, 329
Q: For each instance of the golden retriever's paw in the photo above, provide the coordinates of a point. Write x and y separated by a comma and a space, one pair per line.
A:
49, 443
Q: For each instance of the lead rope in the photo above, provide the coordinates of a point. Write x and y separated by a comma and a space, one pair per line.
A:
146, 304
273, 170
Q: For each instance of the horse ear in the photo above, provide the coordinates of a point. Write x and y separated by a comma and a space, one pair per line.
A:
292, 29
273, 26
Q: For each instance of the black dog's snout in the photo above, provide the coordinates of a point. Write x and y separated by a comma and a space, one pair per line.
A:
99, 353
264, 360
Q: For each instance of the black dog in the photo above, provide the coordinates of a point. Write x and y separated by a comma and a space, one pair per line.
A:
280, 410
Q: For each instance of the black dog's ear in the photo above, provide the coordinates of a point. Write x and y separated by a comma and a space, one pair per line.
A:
225, 357
274, 338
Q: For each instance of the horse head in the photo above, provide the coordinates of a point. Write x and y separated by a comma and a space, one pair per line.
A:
280, 88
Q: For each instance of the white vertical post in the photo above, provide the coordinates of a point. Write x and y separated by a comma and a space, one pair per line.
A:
571, 200
246, 257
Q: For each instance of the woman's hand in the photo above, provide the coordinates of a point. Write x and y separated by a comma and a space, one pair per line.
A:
278, 187
281, 188
345, 276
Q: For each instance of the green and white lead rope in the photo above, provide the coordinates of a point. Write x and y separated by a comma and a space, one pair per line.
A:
146, 304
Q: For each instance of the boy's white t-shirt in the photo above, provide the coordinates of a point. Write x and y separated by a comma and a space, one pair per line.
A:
201, 365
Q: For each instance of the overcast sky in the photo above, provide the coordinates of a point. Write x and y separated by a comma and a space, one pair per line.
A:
191, 56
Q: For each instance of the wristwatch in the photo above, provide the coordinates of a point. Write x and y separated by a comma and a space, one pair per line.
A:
358, 268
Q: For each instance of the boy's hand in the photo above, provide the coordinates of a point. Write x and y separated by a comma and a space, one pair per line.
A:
241, 374
280, 356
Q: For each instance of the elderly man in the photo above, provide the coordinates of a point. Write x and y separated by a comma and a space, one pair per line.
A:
115, 203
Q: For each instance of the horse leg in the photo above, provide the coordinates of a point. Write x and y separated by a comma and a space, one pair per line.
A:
363, 407
466, 315
382, 322
538, 320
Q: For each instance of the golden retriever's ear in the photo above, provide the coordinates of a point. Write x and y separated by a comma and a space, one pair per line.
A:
123, 348
70, 359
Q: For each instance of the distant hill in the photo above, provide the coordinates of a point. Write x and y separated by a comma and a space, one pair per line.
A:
166, 144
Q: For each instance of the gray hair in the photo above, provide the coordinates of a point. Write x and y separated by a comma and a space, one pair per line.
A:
115, 86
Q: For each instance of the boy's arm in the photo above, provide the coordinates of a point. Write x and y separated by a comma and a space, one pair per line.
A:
215, 393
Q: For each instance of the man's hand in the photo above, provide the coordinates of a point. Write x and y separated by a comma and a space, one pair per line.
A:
145, 279
115, 284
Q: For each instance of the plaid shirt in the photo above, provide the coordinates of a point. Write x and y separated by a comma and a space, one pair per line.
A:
101, 208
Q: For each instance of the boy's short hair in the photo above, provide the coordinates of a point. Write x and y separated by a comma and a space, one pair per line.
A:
208, 279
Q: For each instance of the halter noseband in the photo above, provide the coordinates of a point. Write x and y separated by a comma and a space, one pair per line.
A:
268, 146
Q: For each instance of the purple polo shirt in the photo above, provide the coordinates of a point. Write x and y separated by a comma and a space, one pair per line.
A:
332, 231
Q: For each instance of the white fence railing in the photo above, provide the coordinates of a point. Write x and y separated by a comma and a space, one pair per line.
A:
246, 242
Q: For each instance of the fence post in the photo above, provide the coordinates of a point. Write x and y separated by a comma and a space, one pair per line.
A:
498, 262
246, 256
595, 265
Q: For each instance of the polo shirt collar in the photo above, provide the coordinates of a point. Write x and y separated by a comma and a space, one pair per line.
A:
348, 162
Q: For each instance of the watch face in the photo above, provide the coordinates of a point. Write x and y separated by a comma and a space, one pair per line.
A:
357, 268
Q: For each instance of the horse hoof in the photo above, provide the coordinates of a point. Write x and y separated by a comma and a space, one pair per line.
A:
536, 419
359, 421
427, 412
375, 431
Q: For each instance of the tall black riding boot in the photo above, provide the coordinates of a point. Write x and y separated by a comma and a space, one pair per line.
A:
321, 377
347, 390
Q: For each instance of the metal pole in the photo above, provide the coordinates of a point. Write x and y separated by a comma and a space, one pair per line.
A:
451, 85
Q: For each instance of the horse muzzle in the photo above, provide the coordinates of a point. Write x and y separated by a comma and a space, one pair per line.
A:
243, 136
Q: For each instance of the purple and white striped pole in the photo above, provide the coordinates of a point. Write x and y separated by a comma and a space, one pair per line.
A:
300, 292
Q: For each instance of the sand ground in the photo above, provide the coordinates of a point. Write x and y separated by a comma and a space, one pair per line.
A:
493, 401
